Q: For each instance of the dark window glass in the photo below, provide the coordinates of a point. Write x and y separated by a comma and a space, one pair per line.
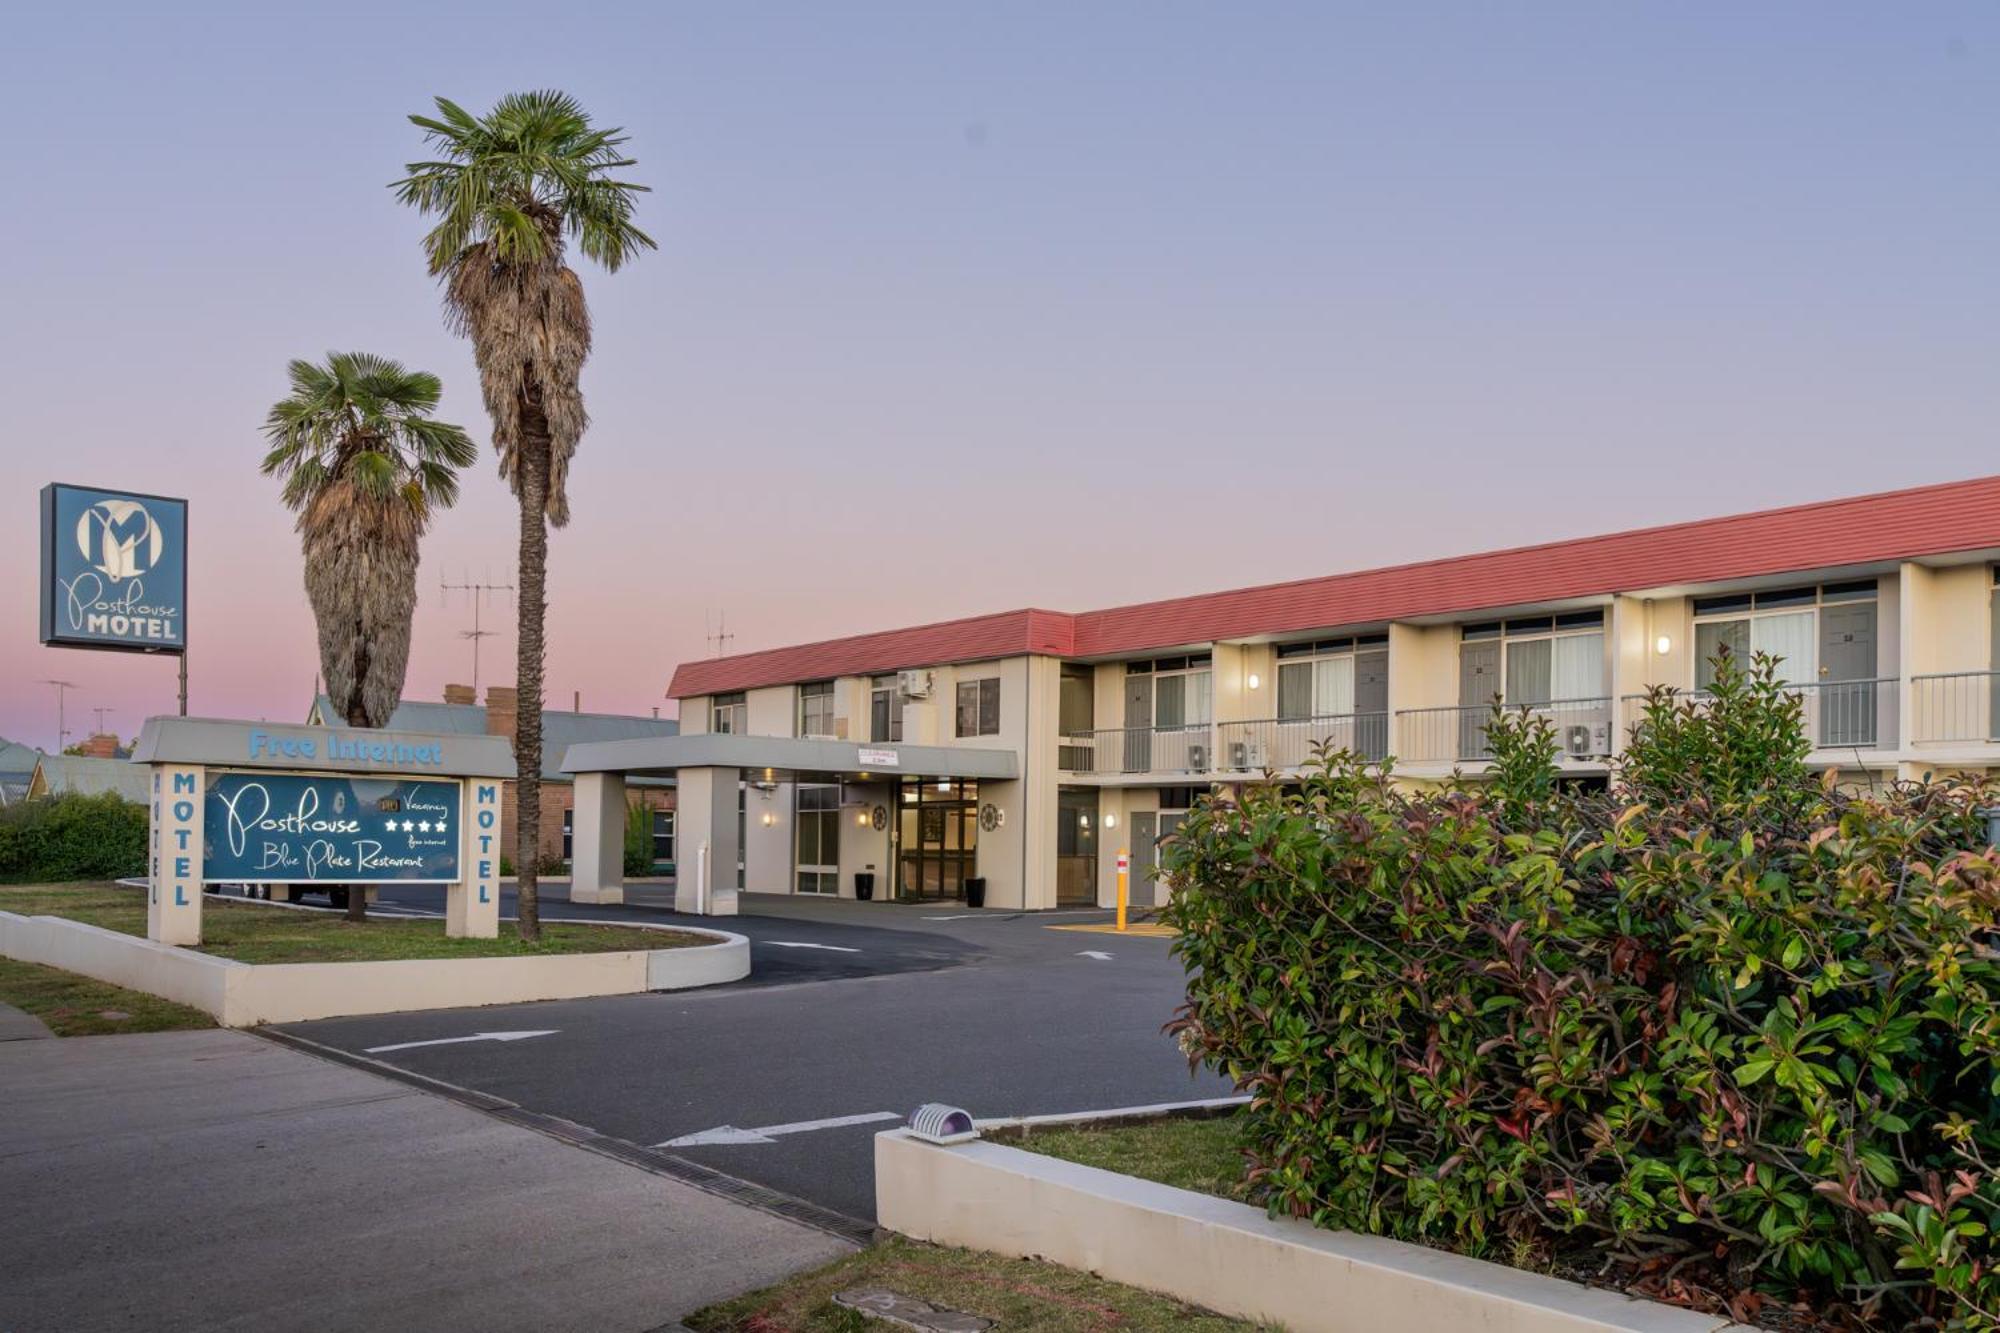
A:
1732, 601
1861, 590
1788, 597
1531, 625
1579, 619
1487, 630
1372, 641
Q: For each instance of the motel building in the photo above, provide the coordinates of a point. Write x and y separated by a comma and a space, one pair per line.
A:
1027, 749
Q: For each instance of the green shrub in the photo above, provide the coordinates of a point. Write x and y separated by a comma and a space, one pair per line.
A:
1726, 1030
638, 839
72, 837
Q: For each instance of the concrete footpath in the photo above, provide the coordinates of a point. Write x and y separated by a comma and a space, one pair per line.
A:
216, 1180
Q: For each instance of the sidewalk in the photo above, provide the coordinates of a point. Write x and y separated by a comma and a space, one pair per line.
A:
216, 1180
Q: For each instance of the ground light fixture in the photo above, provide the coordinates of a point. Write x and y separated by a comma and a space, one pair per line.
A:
934, 1122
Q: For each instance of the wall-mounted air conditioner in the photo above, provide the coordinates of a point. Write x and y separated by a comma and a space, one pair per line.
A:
1246, 756
1587, 740
1197, 759
915, 684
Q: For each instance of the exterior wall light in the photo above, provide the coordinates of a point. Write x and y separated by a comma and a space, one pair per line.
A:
1111, 821
1255, 680
769, 819
1663, 645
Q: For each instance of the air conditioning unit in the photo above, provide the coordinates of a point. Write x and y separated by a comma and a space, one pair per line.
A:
915, 684
1197, 758
1587, 740
1246, 756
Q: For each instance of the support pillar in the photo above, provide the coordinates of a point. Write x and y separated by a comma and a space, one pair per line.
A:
472, 906
173, 894
597, 839
705, 843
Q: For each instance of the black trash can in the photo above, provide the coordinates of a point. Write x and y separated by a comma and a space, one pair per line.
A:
864, 885
975, 891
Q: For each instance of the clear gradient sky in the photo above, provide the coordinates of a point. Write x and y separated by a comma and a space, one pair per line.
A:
966, 307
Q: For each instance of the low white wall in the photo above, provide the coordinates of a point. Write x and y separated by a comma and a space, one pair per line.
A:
1229, 1257
244, 994
193, 979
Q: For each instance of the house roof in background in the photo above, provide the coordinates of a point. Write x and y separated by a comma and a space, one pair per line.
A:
84, 775
16, 760
560, 730
1867, 529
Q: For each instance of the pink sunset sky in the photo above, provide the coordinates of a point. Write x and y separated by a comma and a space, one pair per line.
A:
963, 308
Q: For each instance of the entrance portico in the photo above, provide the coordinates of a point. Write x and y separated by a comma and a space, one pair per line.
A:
741, 802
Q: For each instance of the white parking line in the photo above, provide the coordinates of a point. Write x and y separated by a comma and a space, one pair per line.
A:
800, 944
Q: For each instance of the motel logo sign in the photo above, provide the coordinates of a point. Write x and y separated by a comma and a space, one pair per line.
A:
114, 570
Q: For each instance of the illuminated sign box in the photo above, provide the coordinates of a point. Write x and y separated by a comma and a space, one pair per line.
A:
291, 828
114, 570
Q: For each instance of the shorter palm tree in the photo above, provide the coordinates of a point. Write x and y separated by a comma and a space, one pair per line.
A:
364, 467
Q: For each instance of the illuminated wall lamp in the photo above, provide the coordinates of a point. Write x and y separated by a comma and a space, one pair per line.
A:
1663, 645
1111, 821
1255, 680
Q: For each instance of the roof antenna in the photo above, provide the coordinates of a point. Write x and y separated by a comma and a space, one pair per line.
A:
720, 637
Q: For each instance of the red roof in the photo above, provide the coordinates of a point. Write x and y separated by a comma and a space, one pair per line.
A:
1868, 529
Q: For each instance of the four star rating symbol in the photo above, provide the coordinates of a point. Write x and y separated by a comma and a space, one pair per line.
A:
414, 826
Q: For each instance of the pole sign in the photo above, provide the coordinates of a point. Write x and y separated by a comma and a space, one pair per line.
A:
114, 570
294, 828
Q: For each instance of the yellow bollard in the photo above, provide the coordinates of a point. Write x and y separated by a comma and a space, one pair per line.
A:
1124, 864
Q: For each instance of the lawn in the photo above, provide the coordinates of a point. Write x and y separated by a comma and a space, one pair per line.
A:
1017, 1294
1191, 1153
75, 1006
263, 934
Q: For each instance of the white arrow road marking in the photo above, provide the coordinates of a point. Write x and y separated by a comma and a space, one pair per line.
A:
1098, 954
453, 1041
772, 1133
798, 944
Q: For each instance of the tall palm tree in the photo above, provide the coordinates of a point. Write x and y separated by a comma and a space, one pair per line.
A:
364, 467
510, 189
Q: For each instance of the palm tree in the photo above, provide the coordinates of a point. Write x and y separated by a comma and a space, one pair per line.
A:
510, 190
364, 466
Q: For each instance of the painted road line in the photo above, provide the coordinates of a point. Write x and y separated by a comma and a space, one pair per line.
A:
1098, 954
1148, 929
772, 1133
453, 1041
800, 944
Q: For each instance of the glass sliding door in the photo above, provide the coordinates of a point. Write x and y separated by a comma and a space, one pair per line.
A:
817, 820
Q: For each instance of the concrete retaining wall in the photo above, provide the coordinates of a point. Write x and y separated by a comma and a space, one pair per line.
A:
1229, 1257
245, 994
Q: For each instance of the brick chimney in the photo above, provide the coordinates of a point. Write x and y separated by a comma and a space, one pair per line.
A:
460, 694
103, 745
502, 702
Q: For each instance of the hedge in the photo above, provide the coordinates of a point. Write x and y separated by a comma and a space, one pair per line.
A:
72, 837
1725, 1035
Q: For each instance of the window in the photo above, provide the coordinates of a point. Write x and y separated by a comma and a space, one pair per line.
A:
816, 709
818, 851
663, 837
885, 711
569, 832
1315, 679
979, 707
1533, 659
729, 713
1183, 690
1783, 622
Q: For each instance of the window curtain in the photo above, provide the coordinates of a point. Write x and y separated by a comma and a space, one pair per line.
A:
1578, 671
1794, 638
1333, 687
1295, 690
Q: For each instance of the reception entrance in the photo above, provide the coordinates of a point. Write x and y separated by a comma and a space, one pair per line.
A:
937, 836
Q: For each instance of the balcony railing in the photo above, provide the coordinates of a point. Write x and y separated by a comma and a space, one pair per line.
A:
1458, 735
1289, 742
1955, 706
1838, 714
1188, 748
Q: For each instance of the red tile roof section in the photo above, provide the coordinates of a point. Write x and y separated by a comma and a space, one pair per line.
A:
1894, 525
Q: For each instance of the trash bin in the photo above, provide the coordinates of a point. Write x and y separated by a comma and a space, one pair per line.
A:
975, 891
864, 884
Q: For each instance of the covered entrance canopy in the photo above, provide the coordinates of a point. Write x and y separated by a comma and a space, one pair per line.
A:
707, 769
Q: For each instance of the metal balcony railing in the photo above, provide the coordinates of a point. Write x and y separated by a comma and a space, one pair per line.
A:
1188, 748
1955, 706
1289, 742
1583, 730
1838, 714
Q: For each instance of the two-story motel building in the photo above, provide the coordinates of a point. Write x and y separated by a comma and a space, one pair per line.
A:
1028, 748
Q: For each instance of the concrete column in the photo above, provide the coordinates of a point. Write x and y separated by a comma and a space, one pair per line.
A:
706, 879
173, 895
472, 906
597, 839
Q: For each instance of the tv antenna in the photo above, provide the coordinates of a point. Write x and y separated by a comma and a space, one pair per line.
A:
63, 687
720, 637
478, 592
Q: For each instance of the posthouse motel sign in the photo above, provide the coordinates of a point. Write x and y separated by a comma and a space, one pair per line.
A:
114, 570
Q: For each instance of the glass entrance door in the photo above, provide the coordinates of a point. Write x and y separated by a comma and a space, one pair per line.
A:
938, 824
